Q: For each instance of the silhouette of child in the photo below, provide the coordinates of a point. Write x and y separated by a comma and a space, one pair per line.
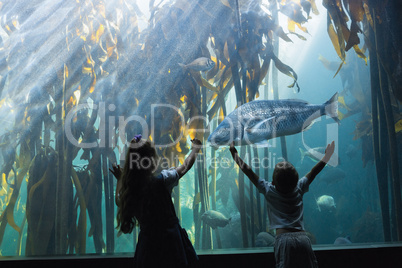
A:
285, 208
145, 198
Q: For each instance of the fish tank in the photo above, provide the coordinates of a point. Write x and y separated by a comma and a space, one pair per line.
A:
79, 79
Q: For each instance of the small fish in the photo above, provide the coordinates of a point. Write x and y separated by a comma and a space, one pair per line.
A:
306, 7
316, 154
215, 219
342, 240
201, 64
294, 12
326, 203
330, 65
258, 121
264, 239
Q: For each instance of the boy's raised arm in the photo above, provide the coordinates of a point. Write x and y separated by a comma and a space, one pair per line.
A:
320, 165
243, 166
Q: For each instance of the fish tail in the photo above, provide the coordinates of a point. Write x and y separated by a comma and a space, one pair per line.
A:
331, 108
316, 202
182, 65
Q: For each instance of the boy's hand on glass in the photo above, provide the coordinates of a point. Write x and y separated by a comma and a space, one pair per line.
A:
329, 151
196, 144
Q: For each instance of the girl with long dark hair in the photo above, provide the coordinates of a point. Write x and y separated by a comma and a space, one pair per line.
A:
144, 198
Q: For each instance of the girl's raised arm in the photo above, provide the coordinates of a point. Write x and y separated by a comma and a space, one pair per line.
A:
189, 161
243, 166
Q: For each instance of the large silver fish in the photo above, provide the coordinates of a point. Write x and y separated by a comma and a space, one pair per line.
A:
258, 121
200, 64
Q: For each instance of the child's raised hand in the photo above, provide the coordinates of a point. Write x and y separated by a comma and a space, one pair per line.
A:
116, 171
196, 144
329, 151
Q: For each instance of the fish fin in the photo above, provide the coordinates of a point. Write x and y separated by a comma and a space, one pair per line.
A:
302, 154
331, 108
263, 143
319, 209
308, 126
298, 100
259, 124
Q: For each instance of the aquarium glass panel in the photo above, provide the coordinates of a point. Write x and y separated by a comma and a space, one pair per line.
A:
280, 79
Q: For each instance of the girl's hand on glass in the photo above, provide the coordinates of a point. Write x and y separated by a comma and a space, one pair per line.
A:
116, 171
196, 144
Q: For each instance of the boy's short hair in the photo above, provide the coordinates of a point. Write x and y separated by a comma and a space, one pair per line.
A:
285, 177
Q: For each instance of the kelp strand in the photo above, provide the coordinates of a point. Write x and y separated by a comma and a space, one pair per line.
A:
82, 221
196, 207
258, 196
381, 163
251, 208
240, 101
41, 203
20, 236
275, 83
393, 159
109, 204
213, 187
389, 118
242, 204
10, 207
107, 178
61, 221
95, 209
266, 157
206, 230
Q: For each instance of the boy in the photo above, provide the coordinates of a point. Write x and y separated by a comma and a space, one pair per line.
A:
285, 208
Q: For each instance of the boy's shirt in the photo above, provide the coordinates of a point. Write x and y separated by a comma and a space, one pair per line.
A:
284, 210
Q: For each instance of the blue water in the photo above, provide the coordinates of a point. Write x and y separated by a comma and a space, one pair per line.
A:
91, 56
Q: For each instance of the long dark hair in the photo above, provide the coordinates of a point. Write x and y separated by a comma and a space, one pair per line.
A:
137, 173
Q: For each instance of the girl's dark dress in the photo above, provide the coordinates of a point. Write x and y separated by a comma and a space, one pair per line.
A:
161, 241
